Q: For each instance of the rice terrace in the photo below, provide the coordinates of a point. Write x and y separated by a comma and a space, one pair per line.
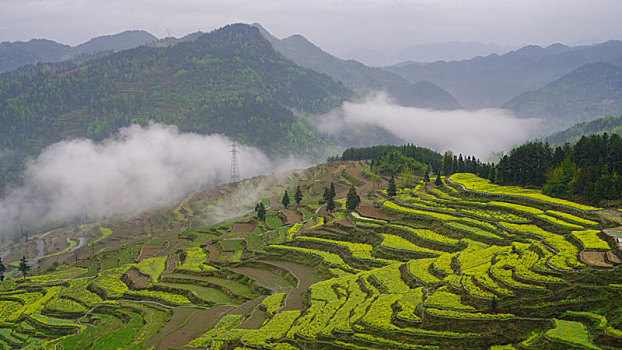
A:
458, 264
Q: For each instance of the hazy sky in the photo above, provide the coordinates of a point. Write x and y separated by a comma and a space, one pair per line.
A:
335, 25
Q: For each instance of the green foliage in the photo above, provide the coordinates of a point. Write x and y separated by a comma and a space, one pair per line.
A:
152, 267
352, 200
24, 268
570, 332
272, 303
285, 200
590, 239
195, 260
391, 189
110, 284
472, 182
298, 195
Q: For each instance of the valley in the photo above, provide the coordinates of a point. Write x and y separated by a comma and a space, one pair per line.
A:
461, 263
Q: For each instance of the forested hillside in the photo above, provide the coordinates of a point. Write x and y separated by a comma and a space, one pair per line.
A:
229, 81
589, 92
609, 124
588, 171
17, 54
360, 77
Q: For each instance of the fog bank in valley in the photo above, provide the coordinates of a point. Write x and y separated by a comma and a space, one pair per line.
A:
140, 167
470, 132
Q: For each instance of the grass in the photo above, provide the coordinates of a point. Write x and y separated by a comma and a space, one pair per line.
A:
590, 240
474, 183
195, 260
211, 295
571, 332
399, 243
152, 267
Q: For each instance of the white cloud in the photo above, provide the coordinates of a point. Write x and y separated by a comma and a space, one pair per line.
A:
470, 132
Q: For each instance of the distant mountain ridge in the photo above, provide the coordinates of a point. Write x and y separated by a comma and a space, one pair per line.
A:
494, 80
588, 92
230, 81
360, 77
16, 54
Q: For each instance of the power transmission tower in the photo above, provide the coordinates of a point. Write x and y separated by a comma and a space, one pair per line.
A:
235, 169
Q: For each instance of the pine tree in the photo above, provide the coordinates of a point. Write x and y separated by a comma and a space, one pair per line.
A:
285, 200
330, 205
2, 270
326, 195
298, 195
438, 182
426, 176
392, 189
23, 266
261, 211
332, 191
353, 199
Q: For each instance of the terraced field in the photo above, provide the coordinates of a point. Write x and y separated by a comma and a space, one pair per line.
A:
464, 265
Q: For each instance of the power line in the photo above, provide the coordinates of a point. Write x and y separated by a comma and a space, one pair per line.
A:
235, 168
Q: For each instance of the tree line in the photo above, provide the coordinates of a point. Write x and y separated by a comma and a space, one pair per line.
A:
589, 171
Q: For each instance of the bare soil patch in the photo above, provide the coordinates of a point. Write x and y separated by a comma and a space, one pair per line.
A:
596, 259
255, 321
305, 277
187, 325
293, 216
372, 212
264, 278
149, 251
243, 227
138, 280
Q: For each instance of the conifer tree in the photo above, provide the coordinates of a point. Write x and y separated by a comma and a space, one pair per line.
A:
326, 194
330, 205
426, 176
261, 211
23, 266
438, 182
332, 190
2, 270
285, 200
392, 189
298, 195
353, 199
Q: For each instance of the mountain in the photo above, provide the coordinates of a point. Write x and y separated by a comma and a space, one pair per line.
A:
359, 77
493, 80
229, 81
117, 42
449, 51
366, 56
16, 54
586, 93
609, 124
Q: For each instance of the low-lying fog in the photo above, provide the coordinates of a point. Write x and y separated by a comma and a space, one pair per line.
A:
140, 167
470, 132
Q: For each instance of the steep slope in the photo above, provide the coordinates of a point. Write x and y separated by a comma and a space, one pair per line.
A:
589, 92
17, 54
360, 77
463, 264
493, 80
230, 81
